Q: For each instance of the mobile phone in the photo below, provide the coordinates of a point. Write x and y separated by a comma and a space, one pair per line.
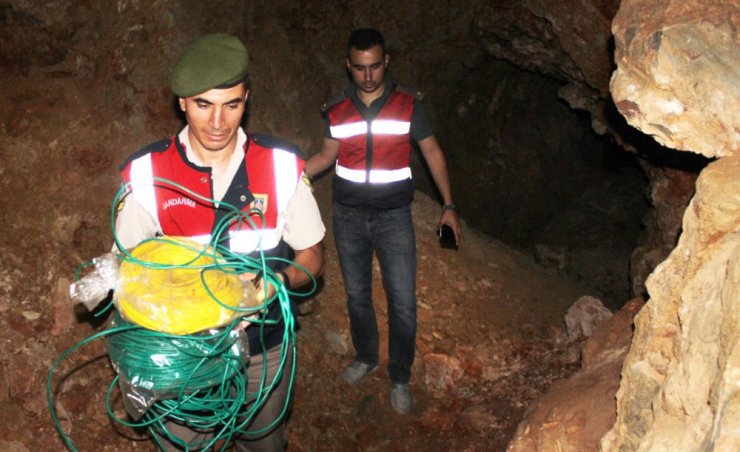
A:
447, 237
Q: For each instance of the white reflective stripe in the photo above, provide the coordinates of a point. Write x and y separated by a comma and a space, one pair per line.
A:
378, 127
376, 176
201, 239
286, 176
142, 186
385, 176
390, 127
286, 180
246, 241
349, 130
350, 174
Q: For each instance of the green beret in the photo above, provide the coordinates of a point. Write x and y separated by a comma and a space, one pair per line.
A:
209, 62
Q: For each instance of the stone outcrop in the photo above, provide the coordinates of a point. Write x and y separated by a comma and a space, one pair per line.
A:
669, 193
576, 412
677, 77
680, 380
679, 80
567, 40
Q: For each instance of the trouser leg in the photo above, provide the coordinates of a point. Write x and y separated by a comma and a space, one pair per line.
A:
355, 257
274, 437
395, 243
268, 424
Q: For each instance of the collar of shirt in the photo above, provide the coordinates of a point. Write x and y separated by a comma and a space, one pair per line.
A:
221, 181
370, 112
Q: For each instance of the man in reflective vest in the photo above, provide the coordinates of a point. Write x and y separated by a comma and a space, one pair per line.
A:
369, 134
218, 160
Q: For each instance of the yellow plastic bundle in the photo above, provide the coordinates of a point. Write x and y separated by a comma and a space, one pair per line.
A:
180, 297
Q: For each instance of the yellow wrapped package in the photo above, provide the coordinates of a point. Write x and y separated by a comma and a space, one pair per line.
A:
174, 285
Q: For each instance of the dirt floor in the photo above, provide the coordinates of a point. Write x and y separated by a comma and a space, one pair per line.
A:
491, 338
489, 318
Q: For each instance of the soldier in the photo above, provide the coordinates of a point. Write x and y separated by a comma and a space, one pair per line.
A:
369, 135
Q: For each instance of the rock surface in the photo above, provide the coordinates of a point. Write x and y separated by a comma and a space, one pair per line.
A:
678, 79
577, 411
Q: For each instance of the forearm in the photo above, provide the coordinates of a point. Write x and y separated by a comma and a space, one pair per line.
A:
312, 260
316, 164
438, 168
435, 159
323, 159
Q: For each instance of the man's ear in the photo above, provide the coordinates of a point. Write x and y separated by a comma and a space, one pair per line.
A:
246, 96
387, 60
181, 101
349, 64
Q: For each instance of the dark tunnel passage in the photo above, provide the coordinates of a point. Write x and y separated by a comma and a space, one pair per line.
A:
530, 171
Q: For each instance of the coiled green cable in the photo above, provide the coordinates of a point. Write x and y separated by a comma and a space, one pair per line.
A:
198, 380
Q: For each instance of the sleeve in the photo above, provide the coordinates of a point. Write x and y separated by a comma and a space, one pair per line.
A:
327, 130
303, 226
420, 126
133, 224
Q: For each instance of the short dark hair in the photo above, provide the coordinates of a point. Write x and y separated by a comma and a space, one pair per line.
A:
244, 80
364, 38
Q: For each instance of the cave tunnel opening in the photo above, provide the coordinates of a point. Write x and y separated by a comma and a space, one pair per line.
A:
529, 170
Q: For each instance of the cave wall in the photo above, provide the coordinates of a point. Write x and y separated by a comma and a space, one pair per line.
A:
511, 138
678, 79
679, 380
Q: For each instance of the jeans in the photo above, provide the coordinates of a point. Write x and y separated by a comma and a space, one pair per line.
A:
357, 232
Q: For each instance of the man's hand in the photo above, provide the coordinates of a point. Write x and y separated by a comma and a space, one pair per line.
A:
450, 218
265, 289
311, 259
254, 293
260, 289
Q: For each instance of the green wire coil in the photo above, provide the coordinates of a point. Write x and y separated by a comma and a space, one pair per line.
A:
198, 380
170, 365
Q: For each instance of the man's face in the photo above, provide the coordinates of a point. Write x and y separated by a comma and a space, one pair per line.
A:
214, 117
368, 68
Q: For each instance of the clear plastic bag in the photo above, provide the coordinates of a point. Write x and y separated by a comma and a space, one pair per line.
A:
152, 366
94, 287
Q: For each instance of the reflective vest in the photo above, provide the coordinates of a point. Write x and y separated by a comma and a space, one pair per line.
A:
266, 180
376, 151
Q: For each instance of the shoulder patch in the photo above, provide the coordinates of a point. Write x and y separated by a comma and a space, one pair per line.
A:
410, 91
158, 146
269, 141
335, 99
